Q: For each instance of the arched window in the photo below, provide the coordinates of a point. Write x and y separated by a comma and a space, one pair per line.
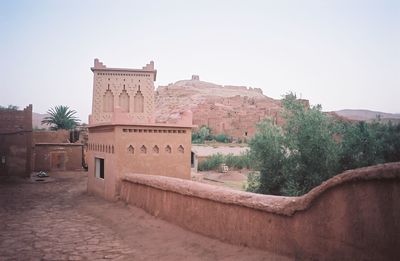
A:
131, 149
139, 101
181, 149
108, 101
168, 149
143, 149
124, 101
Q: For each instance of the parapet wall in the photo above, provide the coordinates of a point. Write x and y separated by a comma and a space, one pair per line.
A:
353, 216
59, 136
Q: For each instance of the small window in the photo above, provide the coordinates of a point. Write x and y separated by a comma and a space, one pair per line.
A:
131, 150
99, 168
168, 149
156, 150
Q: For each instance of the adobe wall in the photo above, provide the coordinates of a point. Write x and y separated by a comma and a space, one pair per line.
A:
236, 116
154, 150
353, 216
101, 144
16, 142
58, 156
60, 136
167, 152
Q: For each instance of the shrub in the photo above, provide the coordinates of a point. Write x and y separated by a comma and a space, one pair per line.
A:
232, 161
253, 181
237, 161
222, 138
211, 163
198, 137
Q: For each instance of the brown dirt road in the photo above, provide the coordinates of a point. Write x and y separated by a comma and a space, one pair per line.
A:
57, 220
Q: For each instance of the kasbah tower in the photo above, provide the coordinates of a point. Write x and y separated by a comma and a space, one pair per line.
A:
123, 135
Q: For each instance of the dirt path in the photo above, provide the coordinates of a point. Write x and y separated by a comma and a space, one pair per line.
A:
234, 179
56, 220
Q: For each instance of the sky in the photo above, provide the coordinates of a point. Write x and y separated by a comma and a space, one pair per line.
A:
340, 54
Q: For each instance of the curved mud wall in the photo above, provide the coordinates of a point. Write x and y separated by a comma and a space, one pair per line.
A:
353, 216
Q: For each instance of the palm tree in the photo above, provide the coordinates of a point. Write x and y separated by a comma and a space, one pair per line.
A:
61, 117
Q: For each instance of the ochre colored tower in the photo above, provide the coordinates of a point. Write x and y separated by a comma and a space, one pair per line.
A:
123, 135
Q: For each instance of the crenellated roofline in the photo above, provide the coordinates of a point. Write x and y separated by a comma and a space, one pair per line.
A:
148, 68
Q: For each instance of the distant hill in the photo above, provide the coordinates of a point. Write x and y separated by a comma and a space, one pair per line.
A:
37, 119
367, 115
226, 109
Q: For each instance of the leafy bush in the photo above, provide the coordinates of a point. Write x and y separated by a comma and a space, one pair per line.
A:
312, 147
198, 137
364, 144
268, 153
211, 163
237, 161
253, 181
222, 138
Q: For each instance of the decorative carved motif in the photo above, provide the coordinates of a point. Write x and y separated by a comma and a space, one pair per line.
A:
131, 90
156, 150
131, 149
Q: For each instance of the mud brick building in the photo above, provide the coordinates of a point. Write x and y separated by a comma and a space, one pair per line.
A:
16, 142
53, 151
123, 135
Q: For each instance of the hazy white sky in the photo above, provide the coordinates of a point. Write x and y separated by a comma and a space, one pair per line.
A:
341, 54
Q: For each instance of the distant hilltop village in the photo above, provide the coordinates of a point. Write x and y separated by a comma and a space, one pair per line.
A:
231, 110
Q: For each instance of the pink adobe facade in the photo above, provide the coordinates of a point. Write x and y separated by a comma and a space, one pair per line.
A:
123, 135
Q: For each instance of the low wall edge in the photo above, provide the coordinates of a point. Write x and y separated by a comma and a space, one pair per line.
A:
280, 205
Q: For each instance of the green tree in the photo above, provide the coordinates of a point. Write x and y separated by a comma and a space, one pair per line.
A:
360, 145
391, 142
312, 147
312, 150
201, 135
365, 144
204, 132
9, 107
267, 151
61, 117
298, 157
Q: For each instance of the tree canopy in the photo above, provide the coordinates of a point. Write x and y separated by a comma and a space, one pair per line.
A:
61, 117
9, 107
312, 147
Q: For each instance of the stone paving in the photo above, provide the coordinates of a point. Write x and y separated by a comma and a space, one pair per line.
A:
40, 222
57, 220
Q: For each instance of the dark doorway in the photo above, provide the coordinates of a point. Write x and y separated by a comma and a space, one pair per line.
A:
192, 159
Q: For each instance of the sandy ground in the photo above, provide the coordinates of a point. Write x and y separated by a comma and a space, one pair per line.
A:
56, 220
222, 148
234, 179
